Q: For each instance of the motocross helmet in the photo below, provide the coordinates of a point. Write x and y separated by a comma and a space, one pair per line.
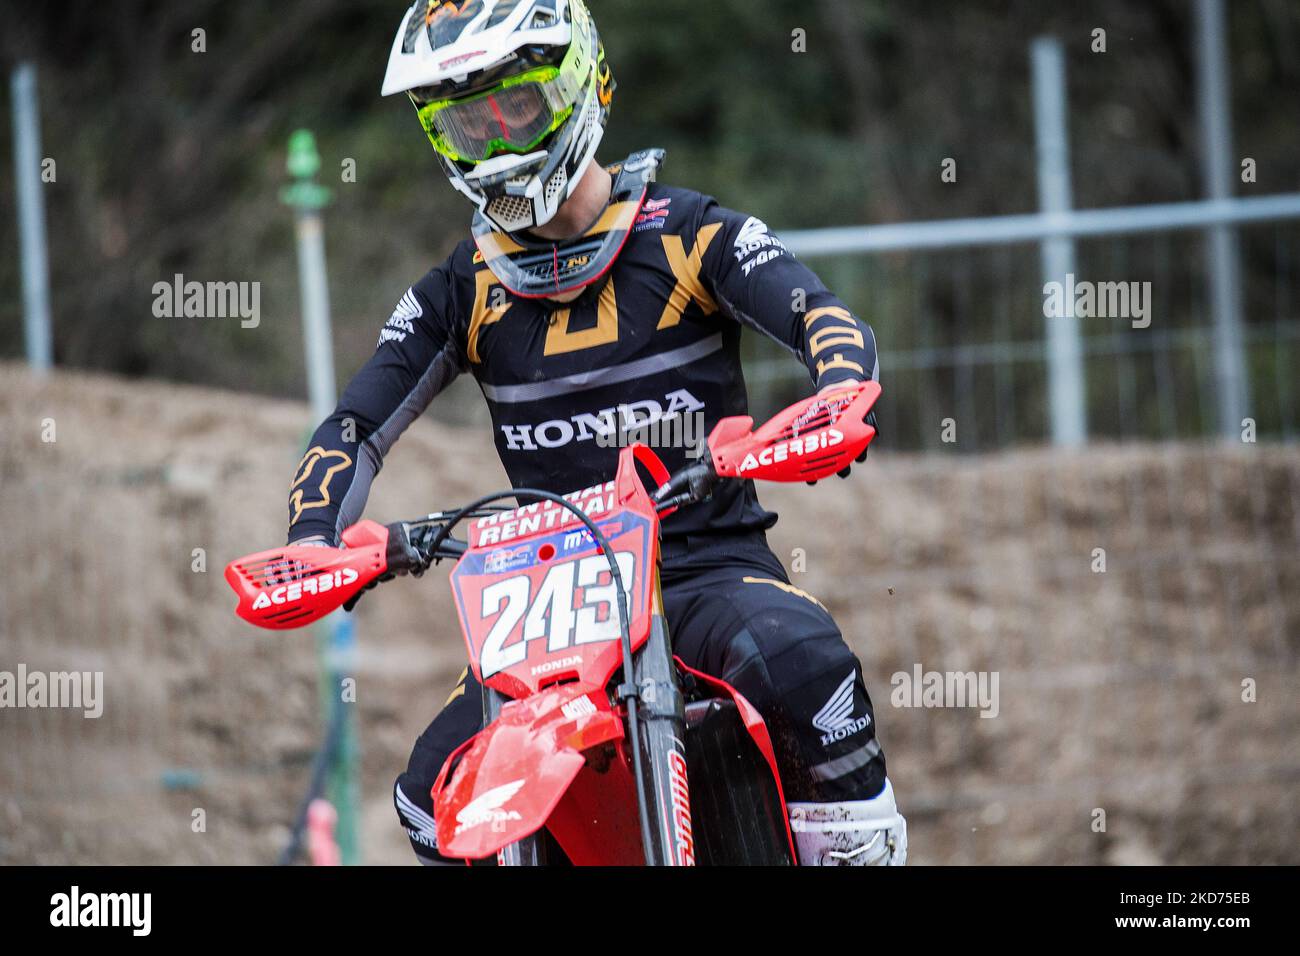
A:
513, 94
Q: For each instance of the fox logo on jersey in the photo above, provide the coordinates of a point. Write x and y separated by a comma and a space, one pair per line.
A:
298, 503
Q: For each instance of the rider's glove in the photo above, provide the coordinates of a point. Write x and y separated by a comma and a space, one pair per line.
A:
870, 420
283, 572
401, 557
691, 484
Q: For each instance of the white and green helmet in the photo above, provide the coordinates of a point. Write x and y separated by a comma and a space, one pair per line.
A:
513, 94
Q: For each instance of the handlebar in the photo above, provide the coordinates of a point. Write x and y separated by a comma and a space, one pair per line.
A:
413, 546
687, 485
812, 438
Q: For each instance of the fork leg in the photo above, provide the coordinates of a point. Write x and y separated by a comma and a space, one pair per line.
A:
531, 850
663, 746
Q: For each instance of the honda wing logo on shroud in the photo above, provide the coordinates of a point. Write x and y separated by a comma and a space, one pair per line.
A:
835, 719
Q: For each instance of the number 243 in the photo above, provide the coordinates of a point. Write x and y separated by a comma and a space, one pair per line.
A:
551, 614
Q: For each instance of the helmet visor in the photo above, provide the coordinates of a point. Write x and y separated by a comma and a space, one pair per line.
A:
513, 117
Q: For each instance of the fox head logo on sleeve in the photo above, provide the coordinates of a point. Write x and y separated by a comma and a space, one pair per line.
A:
306, 468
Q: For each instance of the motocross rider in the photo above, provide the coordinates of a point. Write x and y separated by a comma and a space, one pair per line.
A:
586, 300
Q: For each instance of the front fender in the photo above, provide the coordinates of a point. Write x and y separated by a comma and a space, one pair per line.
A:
516, 770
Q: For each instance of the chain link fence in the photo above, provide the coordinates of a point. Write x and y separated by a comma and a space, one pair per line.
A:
961, 336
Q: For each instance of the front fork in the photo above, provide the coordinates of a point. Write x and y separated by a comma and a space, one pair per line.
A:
662, 713
530, 851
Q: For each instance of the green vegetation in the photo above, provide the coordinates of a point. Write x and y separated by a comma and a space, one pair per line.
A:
171, 160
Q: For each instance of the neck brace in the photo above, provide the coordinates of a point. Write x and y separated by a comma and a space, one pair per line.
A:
540, 268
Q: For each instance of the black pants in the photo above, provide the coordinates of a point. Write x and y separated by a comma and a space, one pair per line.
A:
733, 613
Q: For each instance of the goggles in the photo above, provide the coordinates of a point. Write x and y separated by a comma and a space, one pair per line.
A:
515, 116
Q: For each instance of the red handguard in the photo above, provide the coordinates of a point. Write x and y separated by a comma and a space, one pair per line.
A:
298, 584
810, 440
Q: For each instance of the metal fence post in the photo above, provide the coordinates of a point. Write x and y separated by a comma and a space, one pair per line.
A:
1222, 246
1066, 392
307, 198
31, 218
335, 636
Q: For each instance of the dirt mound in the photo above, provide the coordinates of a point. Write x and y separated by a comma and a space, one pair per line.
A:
1119, 690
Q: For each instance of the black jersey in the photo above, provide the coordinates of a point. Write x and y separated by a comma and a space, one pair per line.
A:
652, 351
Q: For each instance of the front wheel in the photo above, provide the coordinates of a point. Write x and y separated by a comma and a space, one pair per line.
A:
531, 850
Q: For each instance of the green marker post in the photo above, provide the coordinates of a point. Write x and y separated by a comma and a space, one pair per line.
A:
335, 635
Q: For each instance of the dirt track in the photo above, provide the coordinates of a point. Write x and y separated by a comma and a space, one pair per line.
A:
1118, 690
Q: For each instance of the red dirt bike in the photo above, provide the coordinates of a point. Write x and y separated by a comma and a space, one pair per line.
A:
599, 746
